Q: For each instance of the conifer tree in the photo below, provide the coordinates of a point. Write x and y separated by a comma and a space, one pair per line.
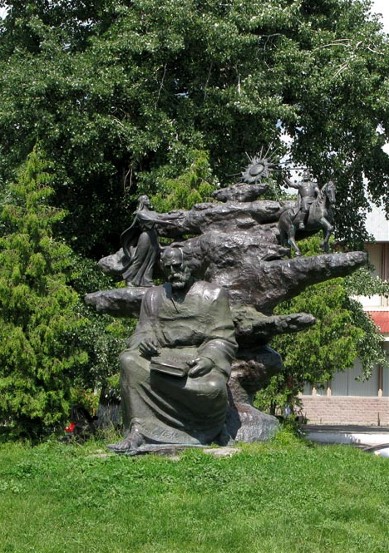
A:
39, 318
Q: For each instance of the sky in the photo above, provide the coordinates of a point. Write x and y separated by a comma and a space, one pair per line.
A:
382, 7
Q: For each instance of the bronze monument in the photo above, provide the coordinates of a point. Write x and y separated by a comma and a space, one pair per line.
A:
192, 367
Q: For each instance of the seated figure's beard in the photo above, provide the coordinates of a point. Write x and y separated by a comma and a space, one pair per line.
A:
180, 280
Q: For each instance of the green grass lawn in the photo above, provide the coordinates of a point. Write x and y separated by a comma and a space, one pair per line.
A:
284, 496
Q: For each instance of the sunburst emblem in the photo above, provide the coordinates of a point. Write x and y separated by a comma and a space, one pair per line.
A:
259, 167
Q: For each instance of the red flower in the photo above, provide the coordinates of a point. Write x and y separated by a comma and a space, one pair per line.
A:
70, 427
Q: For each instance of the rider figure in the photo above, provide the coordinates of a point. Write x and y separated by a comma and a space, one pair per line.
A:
308, 191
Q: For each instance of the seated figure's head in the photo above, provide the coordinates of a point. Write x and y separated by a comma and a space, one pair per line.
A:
175, 268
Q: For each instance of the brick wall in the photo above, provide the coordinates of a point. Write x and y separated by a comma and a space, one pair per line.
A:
346, 410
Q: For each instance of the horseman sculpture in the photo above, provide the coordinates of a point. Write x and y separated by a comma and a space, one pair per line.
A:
308, 191
312, 212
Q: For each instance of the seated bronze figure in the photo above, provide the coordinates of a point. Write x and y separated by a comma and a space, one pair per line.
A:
174, 373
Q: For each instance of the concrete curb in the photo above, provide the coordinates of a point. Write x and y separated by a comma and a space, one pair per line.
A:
359, 436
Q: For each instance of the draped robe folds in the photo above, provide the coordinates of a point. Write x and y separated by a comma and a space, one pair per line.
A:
171, 409
140, 245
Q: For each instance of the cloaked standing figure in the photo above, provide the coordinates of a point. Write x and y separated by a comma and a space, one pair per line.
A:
140, 245
174, 373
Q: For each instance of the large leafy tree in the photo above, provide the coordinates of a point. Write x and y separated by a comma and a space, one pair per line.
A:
122, 93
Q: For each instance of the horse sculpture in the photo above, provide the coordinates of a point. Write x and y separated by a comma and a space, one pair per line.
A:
320, 217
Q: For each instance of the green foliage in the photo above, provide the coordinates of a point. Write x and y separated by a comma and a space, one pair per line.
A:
370, 346
39, 311
116, 90
330, 345
342, 333
364, 283
103, 338
186, 180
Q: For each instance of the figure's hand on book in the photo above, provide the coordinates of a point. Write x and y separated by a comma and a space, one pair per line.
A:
200, 366
148, 348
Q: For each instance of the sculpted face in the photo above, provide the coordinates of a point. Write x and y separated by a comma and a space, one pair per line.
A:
307, 175
143, 201
176, 270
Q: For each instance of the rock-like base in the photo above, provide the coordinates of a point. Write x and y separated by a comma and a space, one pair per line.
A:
247, 424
